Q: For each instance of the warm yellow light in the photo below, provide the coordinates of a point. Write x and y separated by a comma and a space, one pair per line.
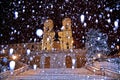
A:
14, 57
3, 51
118, 47
99, 55
72, 41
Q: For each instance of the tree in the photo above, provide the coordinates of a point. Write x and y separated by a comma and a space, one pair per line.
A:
96, 43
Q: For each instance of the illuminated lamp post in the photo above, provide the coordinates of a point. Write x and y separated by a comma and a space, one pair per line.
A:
14, 57
118, 48
99, 55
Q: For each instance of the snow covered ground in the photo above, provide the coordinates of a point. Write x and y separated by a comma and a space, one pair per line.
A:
58, 74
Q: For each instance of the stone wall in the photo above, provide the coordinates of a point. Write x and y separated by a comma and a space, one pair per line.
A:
46, 59
58, 59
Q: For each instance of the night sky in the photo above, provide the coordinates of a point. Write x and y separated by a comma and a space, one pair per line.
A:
20, 19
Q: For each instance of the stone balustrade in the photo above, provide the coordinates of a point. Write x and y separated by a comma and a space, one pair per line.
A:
57, 59
6, 74
102, 68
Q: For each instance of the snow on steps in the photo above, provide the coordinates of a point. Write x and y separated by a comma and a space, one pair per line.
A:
57, 74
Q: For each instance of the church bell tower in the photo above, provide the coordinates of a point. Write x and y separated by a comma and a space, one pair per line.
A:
64, 39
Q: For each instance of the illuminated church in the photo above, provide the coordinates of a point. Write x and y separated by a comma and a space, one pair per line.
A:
61, 40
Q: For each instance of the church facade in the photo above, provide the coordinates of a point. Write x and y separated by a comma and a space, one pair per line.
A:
63, 41
49, 42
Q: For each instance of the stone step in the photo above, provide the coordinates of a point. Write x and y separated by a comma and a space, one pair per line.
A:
60, 77
57, 74
58, 71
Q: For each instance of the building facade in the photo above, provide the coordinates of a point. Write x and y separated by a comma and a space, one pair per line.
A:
64, 40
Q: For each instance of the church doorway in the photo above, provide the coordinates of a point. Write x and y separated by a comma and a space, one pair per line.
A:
47, 62
68, 61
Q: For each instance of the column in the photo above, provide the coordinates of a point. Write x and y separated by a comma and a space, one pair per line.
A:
42, 61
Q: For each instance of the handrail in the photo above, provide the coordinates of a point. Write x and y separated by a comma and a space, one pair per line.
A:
105, 72
6, 74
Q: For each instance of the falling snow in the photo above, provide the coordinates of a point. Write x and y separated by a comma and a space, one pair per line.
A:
16, 14
82, 18
21, 20
39, 32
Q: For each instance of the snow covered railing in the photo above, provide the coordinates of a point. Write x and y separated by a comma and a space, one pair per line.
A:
104, 69
110, 68
20, 70
95, 70
6, 74
111, 73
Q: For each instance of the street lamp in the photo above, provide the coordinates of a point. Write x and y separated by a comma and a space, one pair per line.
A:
99, 55
117, 47
14, 57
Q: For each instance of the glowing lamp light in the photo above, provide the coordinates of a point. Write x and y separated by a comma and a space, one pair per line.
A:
14, 57
3, 51
12, 66
99, 55
72, 41
39, 32
48, 39
94, 70
118, 47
